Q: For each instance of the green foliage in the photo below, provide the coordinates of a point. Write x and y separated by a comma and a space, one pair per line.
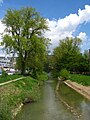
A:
84, 62
42, 77
81, 79
23, 35
67, 55
5, 78
49, 63
55, 73
64, 74
37, 57
4, 74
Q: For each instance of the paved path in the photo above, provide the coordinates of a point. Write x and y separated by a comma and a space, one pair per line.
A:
1, 84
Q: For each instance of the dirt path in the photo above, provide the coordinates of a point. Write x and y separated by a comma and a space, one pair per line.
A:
83, 90
1, 84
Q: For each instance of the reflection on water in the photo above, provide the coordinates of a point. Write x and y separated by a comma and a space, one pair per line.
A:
85, 110
78, 104
50, 107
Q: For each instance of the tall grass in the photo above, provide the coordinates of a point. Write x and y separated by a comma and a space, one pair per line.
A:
81, 79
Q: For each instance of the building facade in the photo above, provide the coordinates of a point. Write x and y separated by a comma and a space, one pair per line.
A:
7, 62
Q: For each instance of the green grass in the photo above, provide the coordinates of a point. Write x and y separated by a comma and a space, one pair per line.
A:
13, 94
8, 78
81, 79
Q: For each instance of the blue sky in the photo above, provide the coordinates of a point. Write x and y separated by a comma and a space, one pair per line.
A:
65, 17
48, 8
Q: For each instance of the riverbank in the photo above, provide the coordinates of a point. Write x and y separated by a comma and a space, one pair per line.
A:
8, 78
83, 90
14, 95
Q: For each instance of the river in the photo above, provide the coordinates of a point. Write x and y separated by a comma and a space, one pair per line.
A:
64, 105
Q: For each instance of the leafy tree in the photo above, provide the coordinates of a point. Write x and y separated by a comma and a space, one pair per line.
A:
64, 74
67, 54
37, 58
84, 62
24, 30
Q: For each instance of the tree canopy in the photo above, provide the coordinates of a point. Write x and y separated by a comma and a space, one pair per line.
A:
24, 35
67, 54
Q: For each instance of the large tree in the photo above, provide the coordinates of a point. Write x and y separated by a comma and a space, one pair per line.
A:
23, 35
67, 54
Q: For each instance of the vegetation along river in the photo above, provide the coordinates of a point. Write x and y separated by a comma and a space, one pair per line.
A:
65, 104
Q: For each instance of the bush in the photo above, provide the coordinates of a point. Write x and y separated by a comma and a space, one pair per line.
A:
4, 74
64, 74
42, 77
55, 74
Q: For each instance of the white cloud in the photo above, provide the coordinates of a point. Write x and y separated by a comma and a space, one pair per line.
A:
65, 27
86, 41
2, 27
84, 15
82, 36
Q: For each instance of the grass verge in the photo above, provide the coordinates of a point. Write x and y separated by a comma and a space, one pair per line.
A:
81, 79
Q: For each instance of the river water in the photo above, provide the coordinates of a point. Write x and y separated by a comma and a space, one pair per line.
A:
64, 105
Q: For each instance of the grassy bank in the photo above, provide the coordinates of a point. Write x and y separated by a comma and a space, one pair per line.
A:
8, 78
81, 79
13, 94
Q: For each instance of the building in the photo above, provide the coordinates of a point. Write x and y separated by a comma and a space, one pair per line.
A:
7, 62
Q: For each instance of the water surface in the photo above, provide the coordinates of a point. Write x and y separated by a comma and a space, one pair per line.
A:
51, 105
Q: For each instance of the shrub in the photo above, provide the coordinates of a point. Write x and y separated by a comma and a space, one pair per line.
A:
4, 74
64, 74
55, 74
42, 77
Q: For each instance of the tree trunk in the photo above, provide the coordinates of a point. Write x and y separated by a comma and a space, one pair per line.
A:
23, 68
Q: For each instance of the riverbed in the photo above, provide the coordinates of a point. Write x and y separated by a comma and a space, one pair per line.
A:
64, 105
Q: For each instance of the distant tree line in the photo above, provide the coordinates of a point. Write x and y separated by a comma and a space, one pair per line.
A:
68, 56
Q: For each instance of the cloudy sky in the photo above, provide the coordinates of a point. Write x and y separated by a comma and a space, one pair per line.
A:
65, 18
